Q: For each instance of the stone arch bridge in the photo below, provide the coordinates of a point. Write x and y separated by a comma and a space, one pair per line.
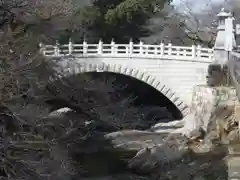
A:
172, 70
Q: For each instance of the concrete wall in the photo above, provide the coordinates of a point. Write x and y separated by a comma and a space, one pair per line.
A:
180, 76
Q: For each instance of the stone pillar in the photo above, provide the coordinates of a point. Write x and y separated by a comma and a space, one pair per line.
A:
220, 54
225, 42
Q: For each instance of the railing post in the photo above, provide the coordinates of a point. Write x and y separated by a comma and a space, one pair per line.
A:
178, 49
141, 47
162, 48
70, 46
56, 49
100, 47
130, 47
113, 49
169, 49
199, 51
193, 51
155, 49
85, 47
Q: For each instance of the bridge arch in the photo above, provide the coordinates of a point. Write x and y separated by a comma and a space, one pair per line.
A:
79, 68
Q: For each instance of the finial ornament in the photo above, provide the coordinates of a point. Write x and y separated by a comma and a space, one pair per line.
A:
223, 9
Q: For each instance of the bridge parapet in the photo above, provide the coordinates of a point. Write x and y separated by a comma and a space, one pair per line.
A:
141, 50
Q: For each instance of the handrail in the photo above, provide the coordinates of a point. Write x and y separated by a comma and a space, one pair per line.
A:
130, 50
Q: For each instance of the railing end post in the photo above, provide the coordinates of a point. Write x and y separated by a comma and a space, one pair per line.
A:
40, 45
41, 48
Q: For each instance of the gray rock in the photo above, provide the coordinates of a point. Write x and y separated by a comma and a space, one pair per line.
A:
135, 139
152, 149
169, 127
202, 147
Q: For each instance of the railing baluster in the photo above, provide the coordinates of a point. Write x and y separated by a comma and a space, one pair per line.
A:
56, 49
155, 50
141, 47
100, 47
113, 47
184, 52
146, 49
70, 47
130, 47
198, 51
193, 51
85, 47
162, 48
169, 49
178, 50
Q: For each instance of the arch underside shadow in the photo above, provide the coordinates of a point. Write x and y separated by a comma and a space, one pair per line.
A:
79, 68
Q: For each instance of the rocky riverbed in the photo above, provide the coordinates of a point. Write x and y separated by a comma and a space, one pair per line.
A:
178, 149
163, 151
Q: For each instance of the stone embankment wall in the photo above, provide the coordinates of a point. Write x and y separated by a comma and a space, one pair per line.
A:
233, 159
215, 109
205, 102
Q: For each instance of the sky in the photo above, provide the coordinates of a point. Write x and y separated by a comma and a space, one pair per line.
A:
197, 2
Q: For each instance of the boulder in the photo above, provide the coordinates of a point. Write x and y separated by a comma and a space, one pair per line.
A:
205, 108
169, 127
152, 149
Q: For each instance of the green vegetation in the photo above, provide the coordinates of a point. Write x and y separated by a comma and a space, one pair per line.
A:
120, 20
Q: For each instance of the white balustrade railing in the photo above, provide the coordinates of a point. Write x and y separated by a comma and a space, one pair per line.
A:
130, 50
